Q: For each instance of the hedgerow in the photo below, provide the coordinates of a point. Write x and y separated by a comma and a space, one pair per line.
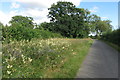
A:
113, 37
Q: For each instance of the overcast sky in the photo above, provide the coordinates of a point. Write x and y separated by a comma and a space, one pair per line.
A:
38, 9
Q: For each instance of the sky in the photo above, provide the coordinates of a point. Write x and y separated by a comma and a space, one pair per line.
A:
106, 10
38, 9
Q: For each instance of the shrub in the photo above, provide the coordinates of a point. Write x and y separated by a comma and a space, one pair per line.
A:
23, 33
113, 37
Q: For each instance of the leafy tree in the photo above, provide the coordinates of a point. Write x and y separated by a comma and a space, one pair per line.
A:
23, 21
104, 26
68, 20
94, 19
112, 36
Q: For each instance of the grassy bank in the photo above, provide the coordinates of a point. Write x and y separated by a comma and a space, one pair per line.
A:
51, 58
113, 45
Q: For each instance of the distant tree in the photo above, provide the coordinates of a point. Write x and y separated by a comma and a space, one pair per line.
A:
94, 19
23, 21
43, 25
88, 27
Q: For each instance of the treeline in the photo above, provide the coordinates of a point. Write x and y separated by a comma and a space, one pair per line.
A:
74, 22
65, 20
23, 28
113, 37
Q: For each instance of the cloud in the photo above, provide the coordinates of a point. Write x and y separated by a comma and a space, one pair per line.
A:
3, 17
15, 5
100, 0
104, 17
37, 9
38, 15
45, 3
74, 0
6, 17
94, 9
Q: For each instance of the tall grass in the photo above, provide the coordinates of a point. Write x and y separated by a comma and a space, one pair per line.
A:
50, 58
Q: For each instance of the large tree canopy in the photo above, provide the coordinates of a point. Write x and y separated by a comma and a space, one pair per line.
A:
23, 21
69, 20
99, 26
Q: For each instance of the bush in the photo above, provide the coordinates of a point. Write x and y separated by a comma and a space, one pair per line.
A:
23, 33
113, 37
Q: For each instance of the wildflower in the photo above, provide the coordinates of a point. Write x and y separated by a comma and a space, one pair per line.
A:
22, 55
8, 72
6, 60
9, 66
58, 55
23, 61
30, 59
27, 40
12, 58
74, 53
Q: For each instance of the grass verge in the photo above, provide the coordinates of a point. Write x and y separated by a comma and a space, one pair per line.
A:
51, 58
113, 45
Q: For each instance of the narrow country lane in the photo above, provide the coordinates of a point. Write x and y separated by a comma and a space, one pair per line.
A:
101, 62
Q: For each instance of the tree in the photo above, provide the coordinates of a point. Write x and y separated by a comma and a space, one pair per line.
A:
23, 21
94, 19
68, 20
104, 26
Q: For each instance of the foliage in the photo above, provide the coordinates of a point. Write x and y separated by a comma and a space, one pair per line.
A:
65, 19
115, 46
1, 26
74, 22
22, 33
69, 20
22, 21
113, 37
40, 58
99, 26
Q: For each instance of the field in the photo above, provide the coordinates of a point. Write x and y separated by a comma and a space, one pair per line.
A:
48, 58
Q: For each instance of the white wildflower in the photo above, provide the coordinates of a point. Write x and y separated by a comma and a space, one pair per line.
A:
62, 61
30, 59
8, 72
9, 66
22, 55
6, 60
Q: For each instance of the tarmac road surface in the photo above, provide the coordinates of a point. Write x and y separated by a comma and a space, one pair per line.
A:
101, 62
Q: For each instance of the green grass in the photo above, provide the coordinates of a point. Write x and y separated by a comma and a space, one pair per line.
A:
113, 45
73, 59
51, 58
0, 65
0, 60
